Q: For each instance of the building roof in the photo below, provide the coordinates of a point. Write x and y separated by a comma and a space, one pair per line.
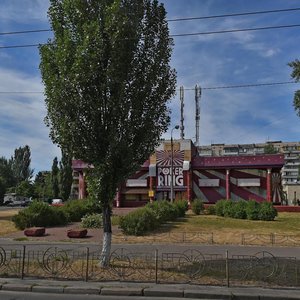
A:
239, 162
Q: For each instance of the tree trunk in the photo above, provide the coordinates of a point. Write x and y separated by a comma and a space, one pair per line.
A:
107, 233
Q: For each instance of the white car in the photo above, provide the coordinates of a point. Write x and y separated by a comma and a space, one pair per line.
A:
56, 201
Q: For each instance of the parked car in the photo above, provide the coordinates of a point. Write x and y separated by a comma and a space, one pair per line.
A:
57, 202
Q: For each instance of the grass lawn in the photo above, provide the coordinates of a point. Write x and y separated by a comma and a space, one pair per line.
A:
228, 230
6, 225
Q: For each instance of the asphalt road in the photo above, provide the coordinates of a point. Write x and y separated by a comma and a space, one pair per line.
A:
162, 248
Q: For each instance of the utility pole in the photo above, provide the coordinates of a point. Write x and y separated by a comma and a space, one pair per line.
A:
181, 90
197, 112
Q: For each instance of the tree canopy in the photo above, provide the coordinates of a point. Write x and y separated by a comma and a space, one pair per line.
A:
296, 75
108, 82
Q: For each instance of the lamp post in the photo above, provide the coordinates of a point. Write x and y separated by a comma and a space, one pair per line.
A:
172, 184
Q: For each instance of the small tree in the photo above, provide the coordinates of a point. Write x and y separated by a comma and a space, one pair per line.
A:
54, 178
107, 85
65, 175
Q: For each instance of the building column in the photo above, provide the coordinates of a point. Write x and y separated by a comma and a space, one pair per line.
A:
118, 198
189, 180
269, 185
227, 184
151, 188
81, 187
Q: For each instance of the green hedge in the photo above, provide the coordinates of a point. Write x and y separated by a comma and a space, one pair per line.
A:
152, 216
197, 206
92, 221
40, 214
250, 210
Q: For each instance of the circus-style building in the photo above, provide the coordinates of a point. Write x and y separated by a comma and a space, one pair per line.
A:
255, 177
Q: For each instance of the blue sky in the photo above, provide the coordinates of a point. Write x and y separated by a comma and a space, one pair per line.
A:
240, 115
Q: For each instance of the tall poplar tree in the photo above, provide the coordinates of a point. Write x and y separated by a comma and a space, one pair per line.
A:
54, 178
108, 82
296, 75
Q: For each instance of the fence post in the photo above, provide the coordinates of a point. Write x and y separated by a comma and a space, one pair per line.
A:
156, 265
272, 236
243, 239
23, 262
87, 264
227, 269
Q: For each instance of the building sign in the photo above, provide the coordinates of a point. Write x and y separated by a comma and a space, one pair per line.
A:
248, 182
164, 176
164, 168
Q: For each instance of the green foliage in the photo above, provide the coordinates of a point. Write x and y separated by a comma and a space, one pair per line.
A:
93, 104
76, 209
211, 210
39, 214
220, 206
270, 149
163, 210
252, 210
267, 212
296, 75
20, 164
239, 210
42, 185
54, 178
65, 175
151, 216
182, 207
197, 206
92, 221
139, 221
25, 188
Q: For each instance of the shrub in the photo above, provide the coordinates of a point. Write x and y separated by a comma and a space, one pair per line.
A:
197, 206
220, 207
239, 210
228, 208
77, 209
92, 221
163, 210
139, 221
252, 210
39, 214
267, 212
211, 210
181, 206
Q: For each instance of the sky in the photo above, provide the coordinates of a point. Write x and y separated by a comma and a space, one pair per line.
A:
228, 115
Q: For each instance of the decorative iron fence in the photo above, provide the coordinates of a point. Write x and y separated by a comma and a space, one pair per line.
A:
173, 237
191, 266
270, 239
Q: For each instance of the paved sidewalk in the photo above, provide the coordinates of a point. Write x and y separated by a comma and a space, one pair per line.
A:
146, 289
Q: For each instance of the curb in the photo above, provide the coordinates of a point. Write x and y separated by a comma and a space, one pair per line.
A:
146, 290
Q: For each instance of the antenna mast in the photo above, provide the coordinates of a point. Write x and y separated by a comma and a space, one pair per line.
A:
181, 112
197, 115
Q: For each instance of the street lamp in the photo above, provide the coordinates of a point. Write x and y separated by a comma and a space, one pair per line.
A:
172, 185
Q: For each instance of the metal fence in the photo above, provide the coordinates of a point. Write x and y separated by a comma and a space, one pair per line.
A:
272, 239
191, 266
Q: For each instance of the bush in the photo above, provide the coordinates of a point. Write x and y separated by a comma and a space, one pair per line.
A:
211, 210
92, 221
252, 210
239, 210
39, 214
267, 212
163, 210
139, 221
77, 209
220, 205
181, 206
197, 206
228, 208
